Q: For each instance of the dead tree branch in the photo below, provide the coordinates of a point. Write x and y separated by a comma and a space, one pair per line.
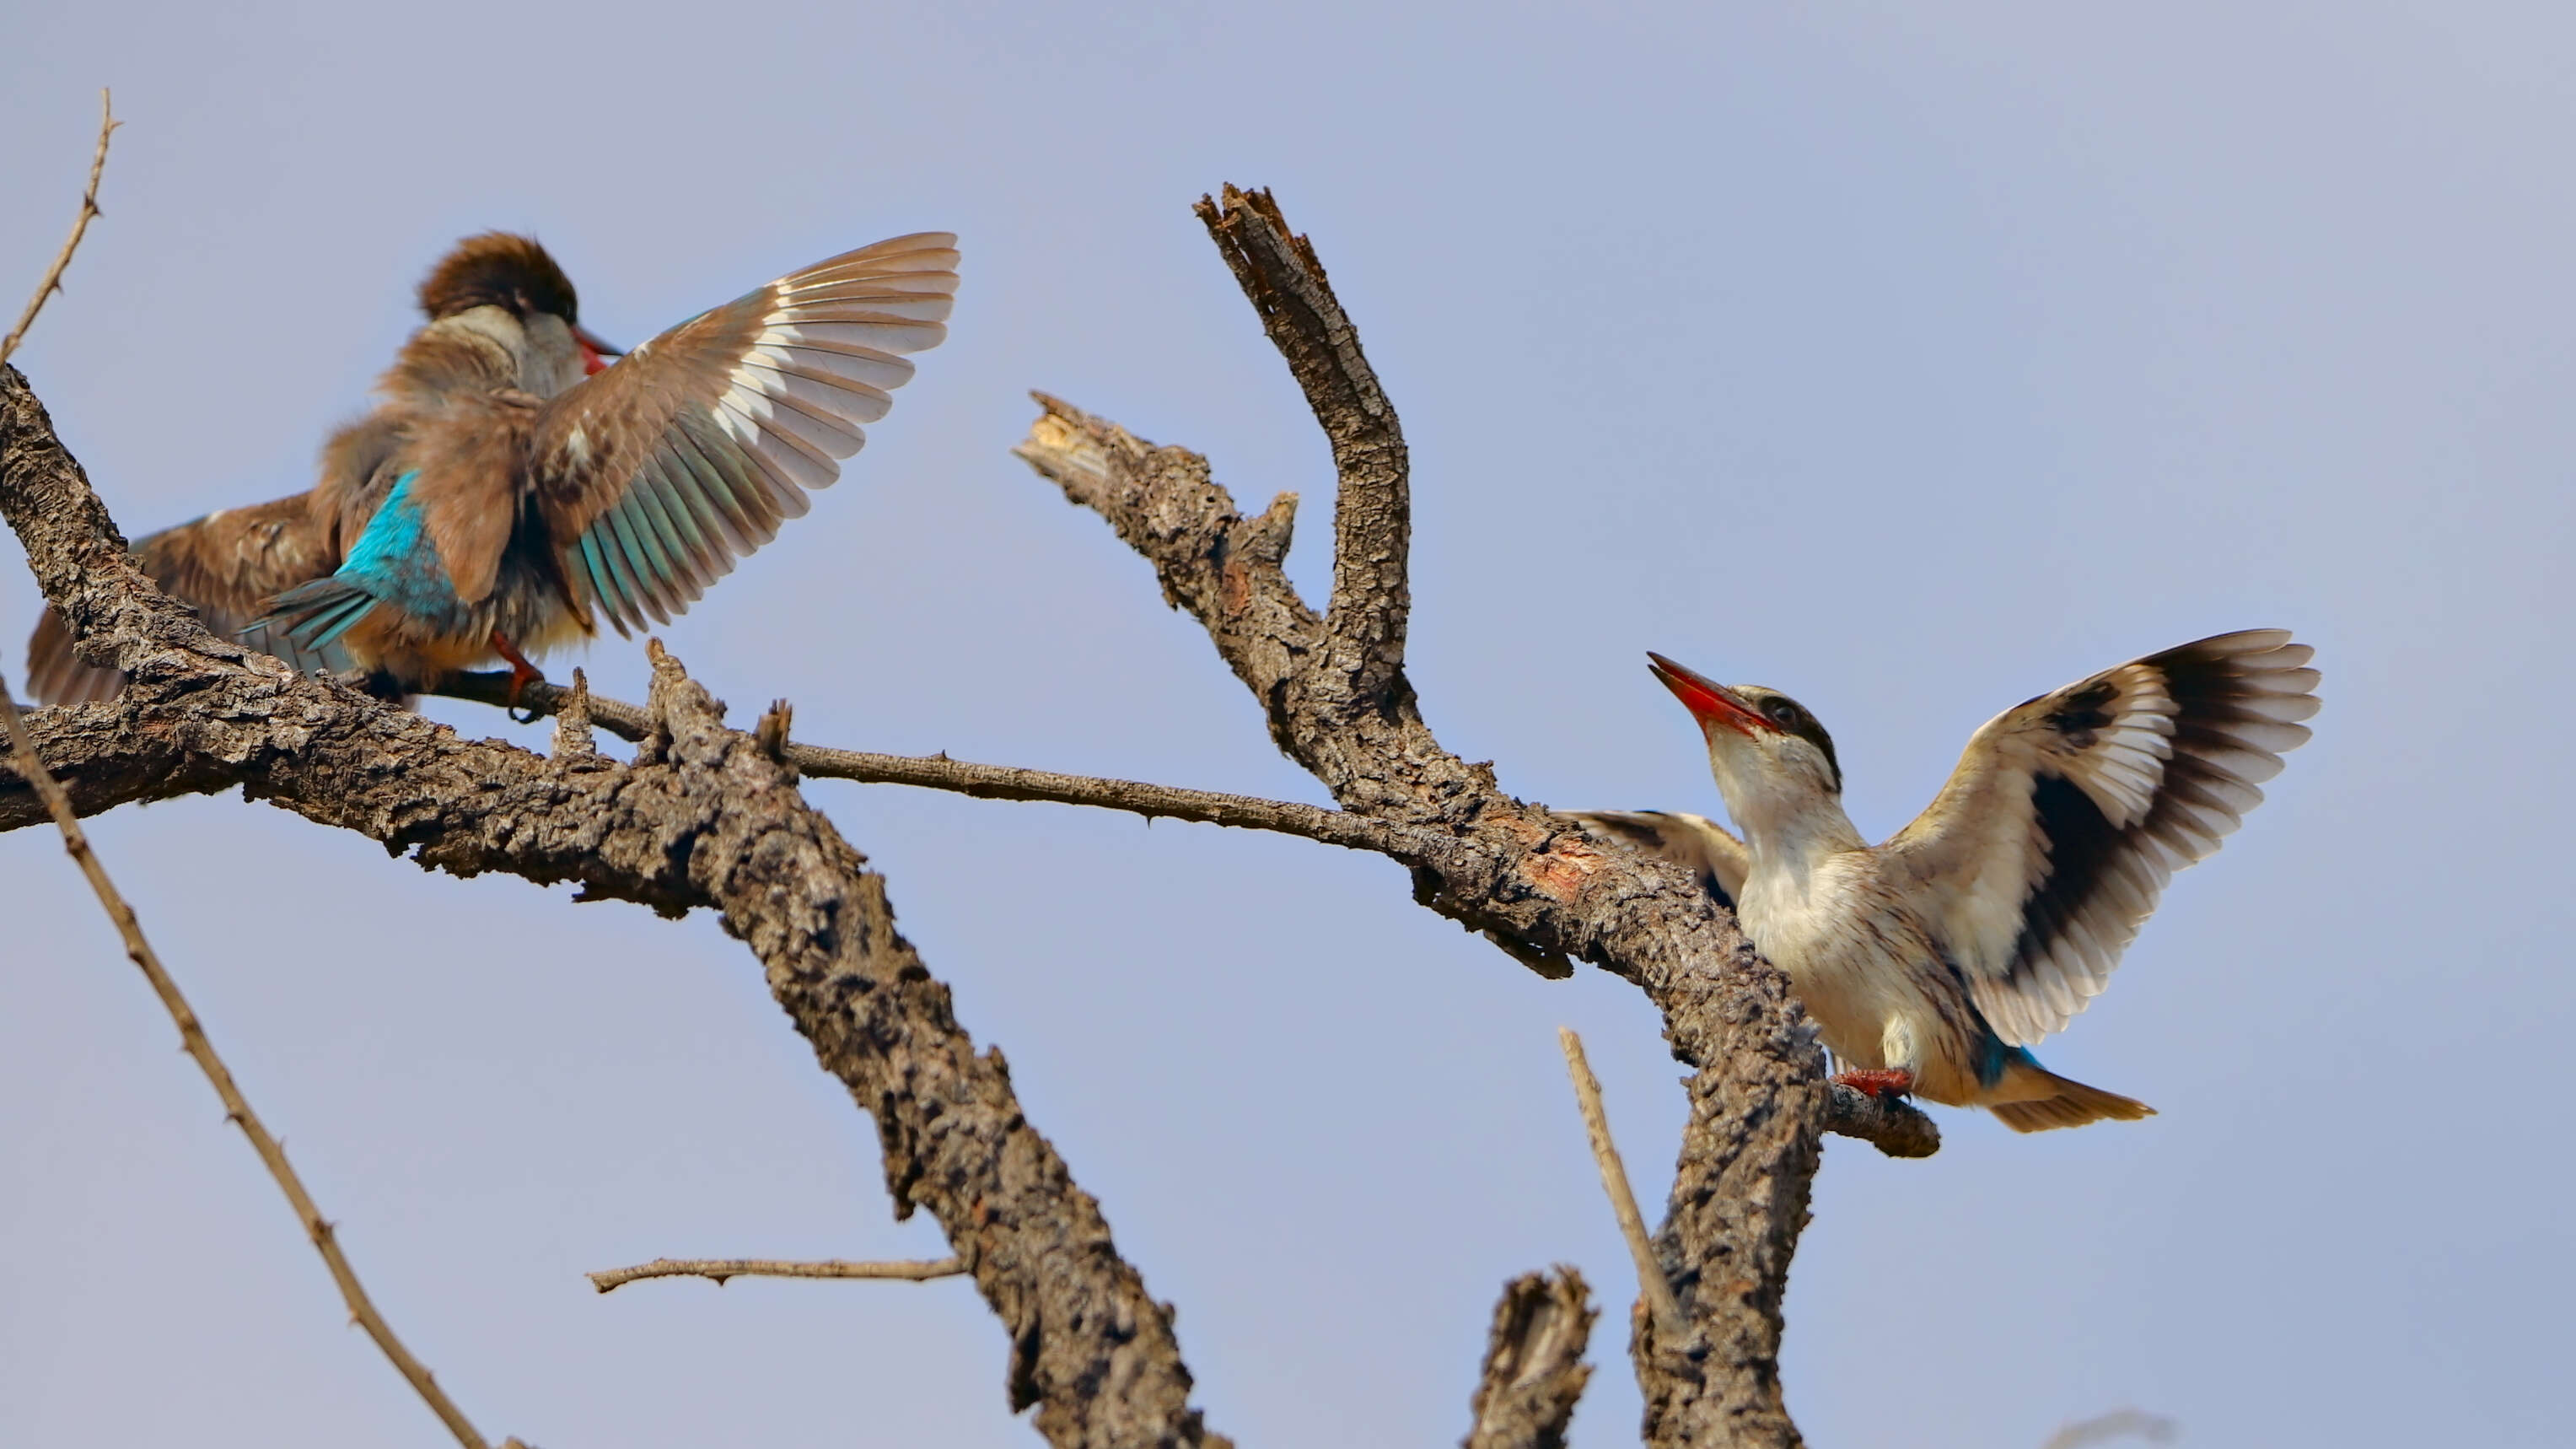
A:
1279, 272
1534, 1370
193, 1039
1895, 1128
720, 1269
237, 1108
984, 782
1651, 1285
53, 280
1337, 702
702, 817
707, 816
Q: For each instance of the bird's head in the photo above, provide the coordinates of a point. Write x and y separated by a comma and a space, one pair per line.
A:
529, 296
1772, 760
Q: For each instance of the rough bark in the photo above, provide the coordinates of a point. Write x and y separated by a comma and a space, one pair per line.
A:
1534, 1370
1531, 880
703, 817
708, 816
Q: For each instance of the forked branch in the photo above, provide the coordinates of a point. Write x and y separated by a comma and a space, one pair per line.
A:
1334, 693
704, 817
1373, 505
201, 715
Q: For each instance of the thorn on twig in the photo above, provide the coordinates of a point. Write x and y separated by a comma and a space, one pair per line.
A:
53, 279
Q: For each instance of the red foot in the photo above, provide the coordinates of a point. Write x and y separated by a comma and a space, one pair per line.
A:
522, 673
1894, 1083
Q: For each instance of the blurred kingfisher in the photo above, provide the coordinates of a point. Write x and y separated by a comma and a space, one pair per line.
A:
1932, 963
510, 522
496, 305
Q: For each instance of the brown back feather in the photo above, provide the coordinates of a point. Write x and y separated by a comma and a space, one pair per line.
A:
468, 486
226, 566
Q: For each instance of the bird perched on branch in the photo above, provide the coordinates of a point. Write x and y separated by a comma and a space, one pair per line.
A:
1932, 963
512, 522
497, 307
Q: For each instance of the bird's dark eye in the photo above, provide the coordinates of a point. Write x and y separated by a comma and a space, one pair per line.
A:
1781, 712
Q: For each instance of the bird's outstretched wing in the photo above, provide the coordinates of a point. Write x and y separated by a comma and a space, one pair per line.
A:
1694, 842
2068, 813
655, 475
225, 565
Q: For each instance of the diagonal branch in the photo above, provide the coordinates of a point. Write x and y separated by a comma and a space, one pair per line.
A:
237, 1108
1213, 563
704, 817
1652, 1287
1373, 510
53, 278
193, 1039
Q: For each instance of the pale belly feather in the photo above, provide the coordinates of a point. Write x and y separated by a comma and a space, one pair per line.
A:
1866, 971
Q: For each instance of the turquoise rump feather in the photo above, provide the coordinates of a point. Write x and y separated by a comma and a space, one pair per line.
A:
394, 563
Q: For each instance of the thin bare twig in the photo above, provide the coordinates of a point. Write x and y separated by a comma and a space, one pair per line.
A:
720, 1269
53, 282
1670, 1326
192, 1035
984, 782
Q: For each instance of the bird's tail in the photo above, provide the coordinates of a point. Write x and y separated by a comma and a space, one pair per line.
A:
2047, 1100
303, 623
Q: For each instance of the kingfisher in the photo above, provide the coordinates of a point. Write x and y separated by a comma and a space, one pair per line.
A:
1932, 963
496, 302
511, 522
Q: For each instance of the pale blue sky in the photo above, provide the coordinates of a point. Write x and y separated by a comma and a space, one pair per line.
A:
1912, 364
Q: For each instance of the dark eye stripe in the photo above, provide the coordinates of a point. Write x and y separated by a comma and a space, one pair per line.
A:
1793, 718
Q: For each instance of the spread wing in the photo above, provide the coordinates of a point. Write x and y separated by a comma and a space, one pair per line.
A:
2068, 813
658, 473
1694, 842
225, 565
